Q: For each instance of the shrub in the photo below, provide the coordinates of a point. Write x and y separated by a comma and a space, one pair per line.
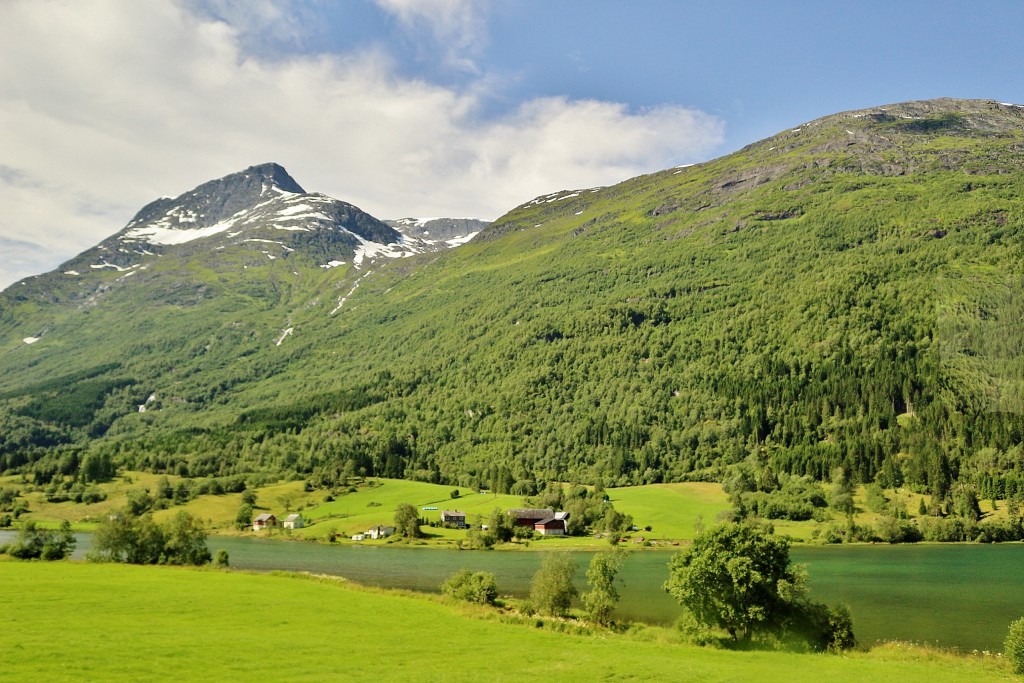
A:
34, 543
221, 558
894, 530
822, 628
692, 630
140, 540
476, 587
1014, 646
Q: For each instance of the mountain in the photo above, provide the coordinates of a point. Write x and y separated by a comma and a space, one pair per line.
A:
239, 221
845, 294
437, 233
256, 214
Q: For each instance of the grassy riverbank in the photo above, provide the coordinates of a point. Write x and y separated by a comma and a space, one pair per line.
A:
71, 622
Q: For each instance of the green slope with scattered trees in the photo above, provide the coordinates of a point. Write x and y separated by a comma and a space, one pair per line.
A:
842, 297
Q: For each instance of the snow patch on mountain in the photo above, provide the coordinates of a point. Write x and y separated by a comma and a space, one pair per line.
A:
163, 234
373, 250
554, 197
116, 267
459, 241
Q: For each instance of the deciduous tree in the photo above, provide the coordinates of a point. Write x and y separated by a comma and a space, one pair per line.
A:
738, 577
552, 588
407, 521
603, 595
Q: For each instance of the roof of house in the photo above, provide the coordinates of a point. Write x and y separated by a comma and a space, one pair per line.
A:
452, 513
551, 521
532, 513
293, 517
265, 517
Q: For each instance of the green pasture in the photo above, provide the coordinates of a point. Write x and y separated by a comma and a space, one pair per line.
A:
671, 510
80, 514
354, 512
69, 621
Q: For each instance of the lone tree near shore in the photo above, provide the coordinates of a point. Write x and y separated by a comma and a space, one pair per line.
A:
552, 589
738, 577
734, 577
603, 595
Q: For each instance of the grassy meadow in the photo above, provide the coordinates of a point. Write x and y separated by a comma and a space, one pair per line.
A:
673, 511
70, 621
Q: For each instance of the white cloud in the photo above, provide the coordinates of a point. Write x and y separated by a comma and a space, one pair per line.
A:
458, 27
106, 105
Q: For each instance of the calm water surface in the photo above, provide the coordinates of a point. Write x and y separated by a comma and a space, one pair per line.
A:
961, 596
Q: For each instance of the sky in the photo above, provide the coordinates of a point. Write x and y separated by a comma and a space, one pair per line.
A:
428, 108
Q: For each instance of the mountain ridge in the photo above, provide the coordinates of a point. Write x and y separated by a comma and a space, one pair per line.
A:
817, 300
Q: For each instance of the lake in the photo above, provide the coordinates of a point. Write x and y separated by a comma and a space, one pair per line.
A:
962, 596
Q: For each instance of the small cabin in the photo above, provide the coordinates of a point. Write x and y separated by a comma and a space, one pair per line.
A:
293, 522
379, 532
264, 521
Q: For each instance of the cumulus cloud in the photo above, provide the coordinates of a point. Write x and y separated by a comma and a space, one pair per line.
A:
106, 105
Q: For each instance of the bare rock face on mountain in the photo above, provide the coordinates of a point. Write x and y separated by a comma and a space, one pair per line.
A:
439, 233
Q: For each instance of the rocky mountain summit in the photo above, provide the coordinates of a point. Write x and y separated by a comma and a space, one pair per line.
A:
240, 221
261, 211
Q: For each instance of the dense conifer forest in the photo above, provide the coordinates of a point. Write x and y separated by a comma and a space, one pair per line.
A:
844, 296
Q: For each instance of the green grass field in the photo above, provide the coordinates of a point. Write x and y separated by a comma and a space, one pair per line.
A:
355, 512
671, 510
69, 621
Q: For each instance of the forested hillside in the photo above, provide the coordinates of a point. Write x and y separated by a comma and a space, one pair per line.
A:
847, 294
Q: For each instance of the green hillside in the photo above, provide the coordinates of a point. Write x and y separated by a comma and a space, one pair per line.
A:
844, 294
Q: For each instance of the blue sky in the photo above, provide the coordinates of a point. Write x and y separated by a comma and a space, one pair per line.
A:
761, 66
437, 107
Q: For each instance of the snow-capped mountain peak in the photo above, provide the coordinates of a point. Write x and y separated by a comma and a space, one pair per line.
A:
264, 214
